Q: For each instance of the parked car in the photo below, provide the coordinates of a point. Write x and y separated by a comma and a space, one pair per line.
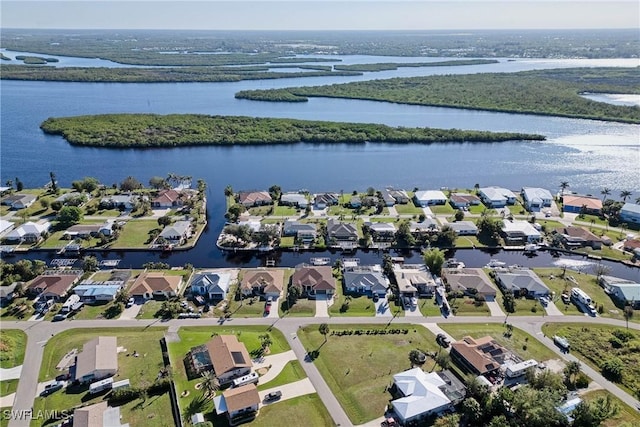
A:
269, 300
267, 309
273, 396
50, 388
60, 316
442, 340
130, 302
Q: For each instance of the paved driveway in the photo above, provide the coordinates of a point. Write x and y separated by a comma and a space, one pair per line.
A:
553, 310
382, 308
131, 312
275, 363
289, 391
494, 308
322, 305
10, 373
273, 314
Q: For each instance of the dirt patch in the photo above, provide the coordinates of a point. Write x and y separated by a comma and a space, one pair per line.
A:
401, 343
262, 371
555, 365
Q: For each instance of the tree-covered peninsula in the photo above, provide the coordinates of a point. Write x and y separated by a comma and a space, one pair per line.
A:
546, 92
152, 130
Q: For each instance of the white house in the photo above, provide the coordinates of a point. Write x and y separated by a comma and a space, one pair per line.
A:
98, 360
421, 395
464, 228
19, 201
430, 197
630, 213
535, 199
177, 233
211, 284
6, 226
28, 232
294, 199
497, 197
522, 281
520, 231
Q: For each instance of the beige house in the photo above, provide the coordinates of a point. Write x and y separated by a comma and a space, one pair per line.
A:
241, 404
98, 360
155, 285
98, 415
312, 280
263, 282
227, 357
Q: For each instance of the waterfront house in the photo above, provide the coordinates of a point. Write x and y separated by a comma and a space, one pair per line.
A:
633, 246
429, 197
414, 279
625, 292
5, 226
98, 360
82, 231
210, 284
98, 415
324, 200
382, 231
254, 198
366, 280
98, 292
400, 196
630, 213
262, 282
355, 202
387, 198
29, 232
227, 357
171, 198
536, 199
463, 200
479, 356
522, 282
294, 199
53, 285
73, 198
7, 294
577, 237
119, 201
420, 395
428, 226
177, 233
19, 201
574, 203
314, 280
518, 231
241, 404
342, 232
497, 197
302, 231
470, 281
463, 228
156, 284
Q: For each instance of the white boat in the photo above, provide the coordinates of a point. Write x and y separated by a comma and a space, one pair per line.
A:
531, 247
494, 263
320, 261
453, 263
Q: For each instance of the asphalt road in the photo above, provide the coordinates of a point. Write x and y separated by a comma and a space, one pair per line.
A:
40, 332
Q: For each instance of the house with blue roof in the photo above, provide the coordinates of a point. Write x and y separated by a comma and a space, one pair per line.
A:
630, 213
95, 292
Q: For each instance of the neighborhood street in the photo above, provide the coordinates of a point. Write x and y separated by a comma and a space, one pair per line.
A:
40, 332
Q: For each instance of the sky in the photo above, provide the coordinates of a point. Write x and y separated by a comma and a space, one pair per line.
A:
320, 15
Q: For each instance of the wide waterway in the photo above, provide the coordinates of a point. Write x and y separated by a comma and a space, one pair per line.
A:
589, 154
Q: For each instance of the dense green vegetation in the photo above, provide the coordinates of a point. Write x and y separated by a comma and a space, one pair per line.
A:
384, 66
152, 130
547, 92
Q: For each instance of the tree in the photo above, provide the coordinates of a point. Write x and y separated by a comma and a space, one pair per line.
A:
87, 184
130, 184
434, 259
459, 215
69, 215
158, 183
403, 235
417, 358
54, 183
90, 263
593, 414
44, 203
605, 192
443, 360
509, 302
293, 293
164, 220
210, 383
472, 411
20, 186
275, 191
9, 183
447, 237
265, 342
499, 421
451, 420
563, 186
612, 369
323, 328
202, 186
628, 314
624, 194
228, 191
234, 212
571, 371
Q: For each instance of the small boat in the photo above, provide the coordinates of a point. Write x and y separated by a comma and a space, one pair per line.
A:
320, 261
494, 263
531, 248
453, 263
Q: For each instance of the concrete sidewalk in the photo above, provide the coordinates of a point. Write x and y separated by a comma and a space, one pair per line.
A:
275, 364
10, 373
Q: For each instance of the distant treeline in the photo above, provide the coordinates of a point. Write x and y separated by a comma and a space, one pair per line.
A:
151, 130
386, 66
547, 92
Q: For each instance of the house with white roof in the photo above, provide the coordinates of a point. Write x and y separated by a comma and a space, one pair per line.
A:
522, 281
464, 228
430, 197
211, 285
497, 197
421, 395
6, 226
625, 291
294, 199
517, 231
630, 213
382, 231
19, 201
414, 279
536, 199
28, 232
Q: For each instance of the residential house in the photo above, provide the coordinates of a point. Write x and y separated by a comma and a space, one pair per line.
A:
626, 292
171, 198
574, 203
400, 196
98, 292
536, 199
578, 237
463, 200
479, 356
342, 233
630, 213
29, 232
428, 226
82, 231
7, 294
53, 285
387, 198
241, 404
177, 233
367, 280
497, 197
294, 199
263, 282
254, 224
355, 202
414, 279
119, 201
98, 415
227, 357
464, 228
5, 226
522, 282
382, 231
155, 285
633, 246
518, 231
314, 280
19, 201
420, 395
304, 232
471, 281
73, 198
430, 197
254, 198
210, 284
98, 360
324, 200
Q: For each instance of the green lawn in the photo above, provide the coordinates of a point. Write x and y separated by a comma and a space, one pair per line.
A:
149, 309
408, 209
135, 234
357, 306
594, 344
446, 209
466, 307
291, 372
90, 312
627, 416
154, 412
4, 421
303, 307
468, 242
359, 368
524, 306
308, 408
520, 342
13, 343
19, 309
8, 386
285, 211
429, 307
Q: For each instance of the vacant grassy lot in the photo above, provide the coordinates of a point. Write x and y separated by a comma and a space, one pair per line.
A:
359, 368
524, 306
520, 342
595, 344
135, 234
285, 211
466, 307
354, 306
429, 307
13, 343
408, 209
291, 372
308, 408
627, 416
19, 309
302, 307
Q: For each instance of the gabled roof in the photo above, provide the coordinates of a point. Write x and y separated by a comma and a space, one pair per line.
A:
319, 277
574, 200
242, 397
167, 197
227, 353
271, 279
578, 232
382, 227
429, 224
421, 393
292, 225
335, 227
522, 279
430, 195
484, 354
178, 228
468, 278
150, 282
630, 208
410, 276
56, 284
212, 281
100, 353
28, 228
519, 226
294, 198
98, 415
251, 197
497, 193
365, 276
326, 198
462, 226
532, 193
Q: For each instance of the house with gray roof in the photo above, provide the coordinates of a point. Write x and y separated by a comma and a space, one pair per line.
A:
119, 201
98, 415
177, 233
19, 201
400, 196
387, 198
626, 292
302, 231
29, 232
471, 281
428, 226
382, 231
210, 284
294, 199
366, 280
343, 234
536, 199
463, 228
463, 200
497, 197
630, 213
98, 360
324, 200
522, 282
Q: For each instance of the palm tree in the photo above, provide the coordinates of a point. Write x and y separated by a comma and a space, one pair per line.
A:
210, 383
265, 341
625, 194
638, 201
571, 371
324, 330
605, 192
563, 186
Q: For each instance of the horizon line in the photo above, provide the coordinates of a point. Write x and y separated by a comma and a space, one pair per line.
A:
320, 30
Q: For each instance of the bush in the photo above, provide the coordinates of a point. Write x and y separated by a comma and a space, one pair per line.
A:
124, 395
582, 381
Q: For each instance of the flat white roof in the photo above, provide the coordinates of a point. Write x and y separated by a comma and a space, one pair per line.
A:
520, 226
430, 195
